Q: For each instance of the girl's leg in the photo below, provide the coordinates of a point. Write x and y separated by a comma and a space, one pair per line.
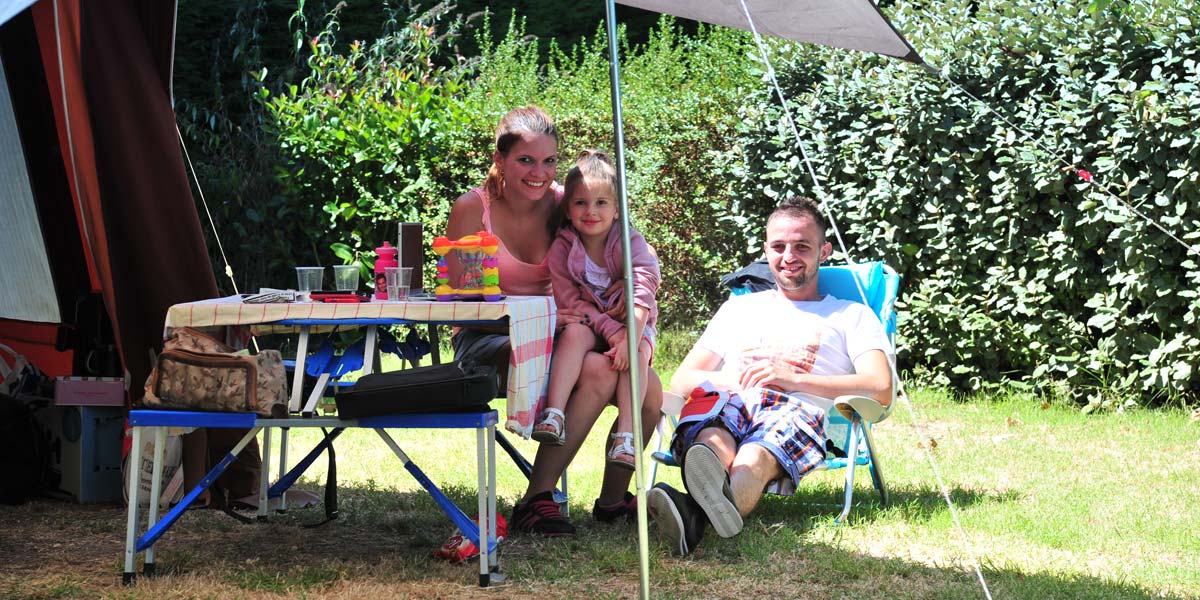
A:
624, 402
597, 382
645, 353
616, 479
570, 348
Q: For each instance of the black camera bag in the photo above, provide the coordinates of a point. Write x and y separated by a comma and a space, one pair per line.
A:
449, 388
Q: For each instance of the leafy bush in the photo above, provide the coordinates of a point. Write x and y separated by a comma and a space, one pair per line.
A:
360, 135
1015, 269
677, 91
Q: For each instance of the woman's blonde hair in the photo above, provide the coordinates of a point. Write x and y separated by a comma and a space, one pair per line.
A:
518, 123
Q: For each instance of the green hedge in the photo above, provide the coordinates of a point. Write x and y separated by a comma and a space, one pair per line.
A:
377, 134
1015, 270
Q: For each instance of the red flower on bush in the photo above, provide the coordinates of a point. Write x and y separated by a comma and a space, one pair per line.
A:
1084, 175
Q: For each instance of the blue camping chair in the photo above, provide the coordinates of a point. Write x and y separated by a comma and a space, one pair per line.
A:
848, 426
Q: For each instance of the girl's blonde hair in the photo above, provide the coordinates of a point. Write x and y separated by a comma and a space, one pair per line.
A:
518, 123
593, 165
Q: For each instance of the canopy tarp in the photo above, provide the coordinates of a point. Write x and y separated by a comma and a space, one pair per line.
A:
849, 24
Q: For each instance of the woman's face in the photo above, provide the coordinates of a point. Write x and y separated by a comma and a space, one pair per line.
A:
529, 167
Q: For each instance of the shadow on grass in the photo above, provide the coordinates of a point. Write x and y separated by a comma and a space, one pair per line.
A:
386, 538
913, 504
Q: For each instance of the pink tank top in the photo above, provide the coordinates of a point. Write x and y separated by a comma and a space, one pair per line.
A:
517, 277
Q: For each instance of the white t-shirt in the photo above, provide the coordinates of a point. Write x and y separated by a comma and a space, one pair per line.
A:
828, 334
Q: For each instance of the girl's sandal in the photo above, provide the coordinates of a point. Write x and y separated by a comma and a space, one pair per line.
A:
620, 452
549, 430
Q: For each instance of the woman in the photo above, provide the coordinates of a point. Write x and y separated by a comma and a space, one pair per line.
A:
518, 203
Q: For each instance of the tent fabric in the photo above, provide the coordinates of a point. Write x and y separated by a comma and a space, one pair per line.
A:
156, 250
36, 144
26, 287
849, 24
105, 69
56, 23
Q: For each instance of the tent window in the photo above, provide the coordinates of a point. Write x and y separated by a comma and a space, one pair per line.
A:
26, 287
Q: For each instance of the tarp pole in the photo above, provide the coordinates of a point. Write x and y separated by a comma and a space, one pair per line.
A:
634, 336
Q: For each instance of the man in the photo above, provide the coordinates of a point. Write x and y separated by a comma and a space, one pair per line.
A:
760, 376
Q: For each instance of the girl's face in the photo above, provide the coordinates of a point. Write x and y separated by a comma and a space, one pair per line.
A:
592, 209
529, 167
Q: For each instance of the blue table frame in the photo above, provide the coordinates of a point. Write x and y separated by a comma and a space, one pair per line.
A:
156, 422
534, 314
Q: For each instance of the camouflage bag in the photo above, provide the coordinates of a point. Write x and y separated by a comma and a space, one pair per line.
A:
198, 372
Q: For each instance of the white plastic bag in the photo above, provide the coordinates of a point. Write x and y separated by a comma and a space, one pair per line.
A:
172, 474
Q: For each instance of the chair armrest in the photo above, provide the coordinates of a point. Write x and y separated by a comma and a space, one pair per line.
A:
868, 409
672, 403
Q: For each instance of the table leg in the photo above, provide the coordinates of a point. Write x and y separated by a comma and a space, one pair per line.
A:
153, 533
283, 448
485, 524
298, 376
435, 344
494, 555
310, 407
289, 478
469, 528
264, 477
135, 470
369, 350
160, 442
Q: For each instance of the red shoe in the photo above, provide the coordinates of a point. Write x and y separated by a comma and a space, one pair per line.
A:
539, 514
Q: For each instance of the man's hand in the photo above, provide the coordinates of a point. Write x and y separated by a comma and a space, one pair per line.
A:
781, 375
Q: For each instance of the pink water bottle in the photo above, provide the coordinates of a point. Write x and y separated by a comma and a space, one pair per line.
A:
385, 257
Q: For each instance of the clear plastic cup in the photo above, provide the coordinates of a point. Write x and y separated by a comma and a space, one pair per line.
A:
309, 279
398, 279
345, 278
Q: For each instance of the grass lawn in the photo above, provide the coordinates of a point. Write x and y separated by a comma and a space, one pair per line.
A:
1056, 505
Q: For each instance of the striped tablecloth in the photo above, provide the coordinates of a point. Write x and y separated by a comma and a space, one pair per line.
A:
530, 324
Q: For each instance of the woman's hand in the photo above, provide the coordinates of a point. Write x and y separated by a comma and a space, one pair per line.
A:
618, 351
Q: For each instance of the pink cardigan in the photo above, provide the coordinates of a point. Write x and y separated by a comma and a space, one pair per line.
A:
567, 259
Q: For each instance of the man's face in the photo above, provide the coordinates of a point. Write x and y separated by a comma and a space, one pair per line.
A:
795, 248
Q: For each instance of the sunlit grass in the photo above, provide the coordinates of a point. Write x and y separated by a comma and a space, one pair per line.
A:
1053, 504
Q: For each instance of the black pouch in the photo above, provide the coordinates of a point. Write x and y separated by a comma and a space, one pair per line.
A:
453, 387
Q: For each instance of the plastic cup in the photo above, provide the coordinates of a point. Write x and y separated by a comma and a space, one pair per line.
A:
398, 279
309, 279
345, 278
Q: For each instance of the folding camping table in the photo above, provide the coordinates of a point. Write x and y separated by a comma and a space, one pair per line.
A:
530, 322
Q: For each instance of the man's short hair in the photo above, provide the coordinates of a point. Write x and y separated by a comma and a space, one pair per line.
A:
799, 206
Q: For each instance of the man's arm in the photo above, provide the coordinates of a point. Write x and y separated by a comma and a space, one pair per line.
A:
698, 366
872, 378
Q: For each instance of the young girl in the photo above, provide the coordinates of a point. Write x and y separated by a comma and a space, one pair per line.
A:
587, 275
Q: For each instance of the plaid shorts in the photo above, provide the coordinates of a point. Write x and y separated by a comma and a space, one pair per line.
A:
791, 429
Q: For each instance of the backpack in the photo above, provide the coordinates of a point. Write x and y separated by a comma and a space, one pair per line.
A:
24, 452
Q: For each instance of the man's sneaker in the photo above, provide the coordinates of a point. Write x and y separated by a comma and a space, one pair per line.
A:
679, 519
625, 509
539, 514
707, 481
